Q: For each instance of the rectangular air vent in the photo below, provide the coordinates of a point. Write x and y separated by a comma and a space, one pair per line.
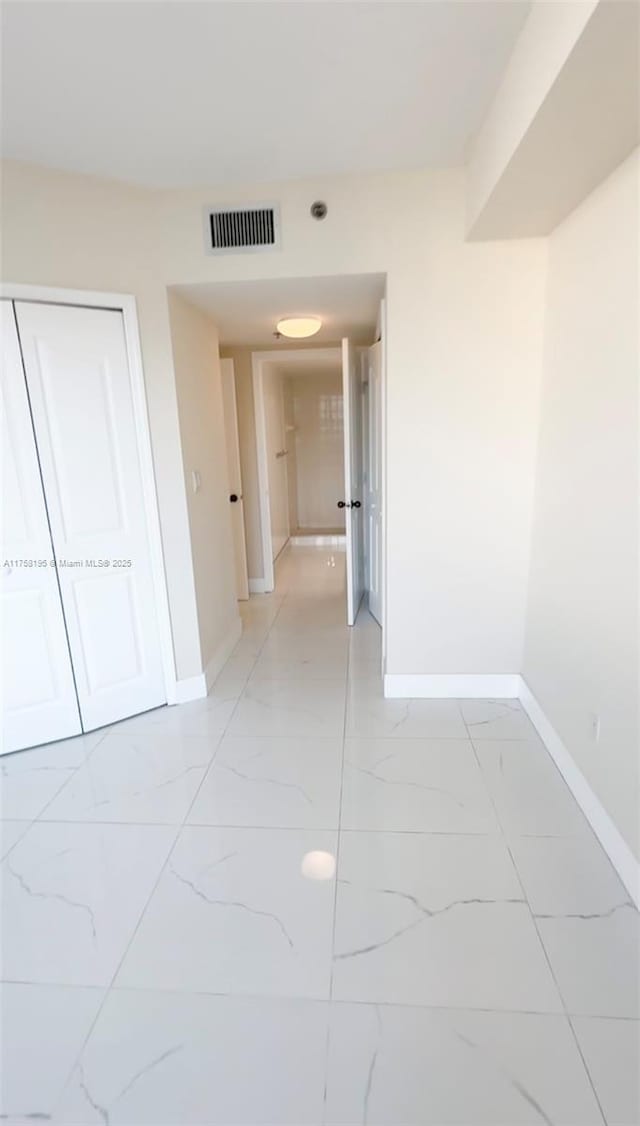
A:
229, 230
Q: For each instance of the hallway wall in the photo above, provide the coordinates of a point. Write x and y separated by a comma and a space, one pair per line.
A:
464, 336
202, 432
581, 656
314, 407
464, 363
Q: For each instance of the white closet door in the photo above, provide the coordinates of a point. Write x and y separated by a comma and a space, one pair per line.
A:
39, 699
79, 384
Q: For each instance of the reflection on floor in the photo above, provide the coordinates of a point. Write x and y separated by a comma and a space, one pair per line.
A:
318, 537
302, 532
296, 902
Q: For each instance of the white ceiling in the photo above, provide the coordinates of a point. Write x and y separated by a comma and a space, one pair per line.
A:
180, 93
246, 313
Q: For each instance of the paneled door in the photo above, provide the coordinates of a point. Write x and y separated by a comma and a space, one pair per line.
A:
79, 386
39, 698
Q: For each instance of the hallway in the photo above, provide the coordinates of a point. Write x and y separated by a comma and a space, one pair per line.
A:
180, 951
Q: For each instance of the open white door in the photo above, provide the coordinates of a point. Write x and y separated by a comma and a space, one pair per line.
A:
352, 392
81, 397
373, 502
234, 475
39, 703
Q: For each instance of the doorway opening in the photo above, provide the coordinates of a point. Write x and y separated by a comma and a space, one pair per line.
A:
299, 417
305, 428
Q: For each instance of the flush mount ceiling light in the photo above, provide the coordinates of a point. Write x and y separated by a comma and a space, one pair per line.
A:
296, 328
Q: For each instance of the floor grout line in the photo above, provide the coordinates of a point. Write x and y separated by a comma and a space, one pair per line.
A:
336, 880
110, 987
339, 831
547, 959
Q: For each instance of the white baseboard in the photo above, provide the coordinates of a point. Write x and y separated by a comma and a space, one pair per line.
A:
257, 586
192, 688
513, 686
454, 686
607, 833
197, 687
222, 653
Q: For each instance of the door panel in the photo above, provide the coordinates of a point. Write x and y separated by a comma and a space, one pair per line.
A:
352, 390
79, 384
234, 475
374, 481
39, 699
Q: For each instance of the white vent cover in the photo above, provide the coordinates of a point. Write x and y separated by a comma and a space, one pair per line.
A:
233, 230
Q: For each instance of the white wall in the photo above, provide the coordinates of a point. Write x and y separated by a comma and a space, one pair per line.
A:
81, 233
565, 116
581, 656
202, 430
314, 406
547, 39
464, 332
276, 440
464, 338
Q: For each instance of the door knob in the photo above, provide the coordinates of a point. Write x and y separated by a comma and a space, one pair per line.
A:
233, 498
342, 504
356, 504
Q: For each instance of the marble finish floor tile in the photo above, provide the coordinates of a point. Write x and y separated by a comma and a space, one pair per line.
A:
370, 715
268, 782
436, 920
10, 834
303, 661
596, 961
531, 797
471, 959
72, 896
567, 876
162, 1059
418, 1067
137, 778
415, 785
30, 779
497, 719
364, 666
308, 647
43, 1030
300, 613
234, 913
291, 708
209, 716
611, 1049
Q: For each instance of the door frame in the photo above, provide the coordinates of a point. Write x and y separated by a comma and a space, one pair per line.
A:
382, 337
228, 378
125, 303
258, 360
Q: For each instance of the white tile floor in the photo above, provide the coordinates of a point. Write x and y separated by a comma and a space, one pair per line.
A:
169, 960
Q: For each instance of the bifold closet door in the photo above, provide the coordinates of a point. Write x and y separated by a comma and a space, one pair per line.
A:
79, 385
39, 699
